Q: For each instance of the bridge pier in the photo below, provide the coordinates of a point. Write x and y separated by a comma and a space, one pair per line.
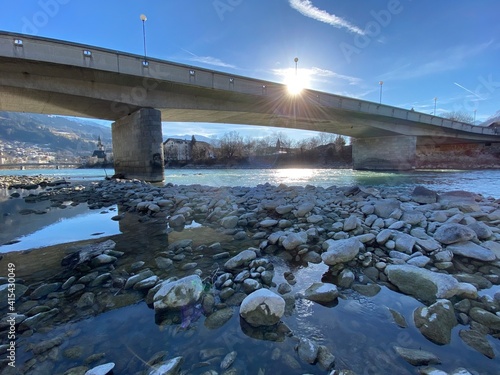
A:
384, 153
138, 145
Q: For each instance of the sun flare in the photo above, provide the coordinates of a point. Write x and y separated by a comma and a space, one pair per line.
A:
296, 81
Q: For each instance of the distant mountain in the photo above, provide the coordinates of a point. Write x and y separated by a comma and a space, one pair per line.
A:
53, 132
492, 119
198, 137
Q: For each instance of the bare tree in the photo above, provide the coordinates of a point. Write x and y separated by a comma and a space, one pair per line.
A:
461, 116
231, 145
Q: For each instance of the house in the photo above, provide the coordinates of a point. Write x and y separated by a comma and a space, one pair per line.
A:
184, 150
99, 155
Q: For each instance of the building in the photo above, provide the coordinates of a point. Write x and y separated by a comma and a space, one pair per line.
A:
183, 150
99, 155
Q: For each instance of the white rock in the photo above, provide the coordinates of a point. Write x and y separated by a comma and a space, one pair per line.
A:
262, 308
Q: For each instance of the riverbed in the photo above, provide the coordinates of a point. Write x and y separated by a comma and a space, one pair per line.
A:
122, 328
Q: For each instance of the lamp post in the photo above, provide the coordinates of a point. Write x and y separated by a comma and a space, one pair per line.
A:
144, 19
474, 117
435, 101
296, 61
381, 83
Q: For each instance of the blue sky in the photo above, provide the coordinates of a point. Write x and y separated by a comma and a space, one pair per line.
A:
421, 50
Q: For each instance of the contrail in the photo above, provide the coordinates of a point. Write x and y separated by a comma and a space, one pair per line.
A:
473, 93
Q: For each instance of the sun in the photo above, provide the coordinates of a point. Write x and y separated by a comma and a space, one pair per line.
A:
296, 81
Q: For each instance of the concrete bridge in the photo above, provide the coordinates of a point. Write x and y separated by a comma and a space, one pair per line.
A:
48, 76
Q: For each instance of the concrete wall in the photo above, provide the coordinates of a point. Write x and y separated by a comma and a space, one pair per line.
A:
384, 153
138, 145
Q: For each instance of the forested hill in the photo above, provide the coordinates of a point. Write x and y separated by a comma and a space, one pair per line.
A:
53, 132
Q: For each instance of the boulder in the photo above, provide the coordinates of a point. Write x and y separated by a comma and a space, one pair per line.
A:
262, 308
486, 318
417, 357
174, 295
423, 195
385, 207
294, 240
482, 230
453, 233
307, 350
177, 221
240, 260
101, 369
421, 283
471, 250
341, 251
436, 321
229, 222
478, 341
321, 292
303, 209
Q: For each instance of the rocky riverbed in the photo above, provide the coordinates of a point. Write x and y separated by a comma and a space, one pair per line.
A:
442, 249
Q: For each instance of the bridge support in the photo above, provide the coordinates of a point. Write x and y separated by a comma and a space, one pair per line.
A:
138, 145
384, 153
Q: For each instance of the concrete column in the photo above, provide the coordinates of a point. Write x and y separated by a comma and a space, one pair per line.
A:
384, 153
138, 145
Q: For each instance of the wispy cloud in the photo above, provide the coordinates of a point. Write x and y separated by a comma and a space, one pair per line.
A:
209, 60
453, 58
466, 89
306, 8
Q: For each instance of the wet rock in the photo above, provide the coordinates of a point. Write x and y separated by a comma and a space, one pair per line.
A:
132, 280
422, 283
453, 233
101, 260
321, 292
147, 283
163, 263
471, 250
262, 308
228, 360
75, 288
486, 318
250, 285
242, 259
436, 321
369, 290
326, 359
44, 290
170, 367
35, 321
423, 195
219, 318
417, 357
307, 350
86, 300
399, 319
478, 341
284, 288
346, 278
340, 251
174, 295
229, 222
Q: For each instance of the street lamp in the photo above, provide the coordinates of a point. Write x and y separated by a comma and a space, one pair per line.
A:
474, 117
381, 83
296, 61
435, 101
144, 19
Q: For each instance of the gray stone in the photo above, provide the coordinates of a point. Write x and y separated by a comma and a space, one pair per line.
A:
268, 223
44, 289
413, 217
385, 207
219, 318
250, 285
147, 283
341, 251
471, 250
294, 240
174, 295
326, 359
478, 341
229, 222
132, 280
350, 223
284, 288
177, 221
86, 300
321, 292
417, 357
482, 230
423, 195
399, 319
307, 350
436, 321
20, 289
101, 369
303, 209
163, 263
346, 278
170, 367
242, 259
405, 242
284, 209
420, 261
262, 308
422, 283
486, 318
101, 260
34, 321
453, 233
369, 290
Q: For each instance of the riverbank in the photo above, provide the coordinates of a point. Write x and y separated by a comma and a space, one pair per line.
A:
324, 248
